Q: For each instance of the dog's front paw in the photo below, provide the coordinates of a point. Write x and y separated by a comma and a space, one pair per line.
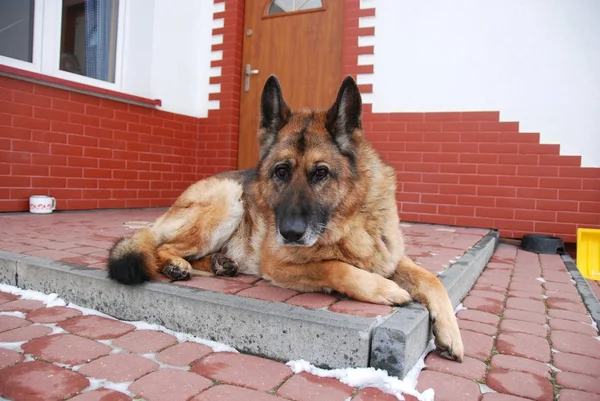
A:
221, 265
448, 341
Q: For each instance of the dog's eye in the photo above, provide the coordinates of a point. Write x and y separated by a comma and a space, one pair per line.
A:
320, 173
281, 172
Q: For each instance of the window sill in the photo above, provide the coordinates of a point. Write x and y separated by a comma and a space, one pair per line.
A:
77, 87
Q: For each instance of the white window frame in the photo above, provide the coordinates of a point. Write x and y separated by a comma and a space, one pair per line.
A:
47, 28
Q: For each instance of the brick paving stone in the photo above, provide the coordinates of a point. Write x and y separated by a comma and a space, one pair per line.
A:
477, 327
575, 395
502, 397
509, 362
307, 387
9, 357
477, 345
521, 384
532, 288
226, 392
242, 370
96, 327
526, 274
145, 341
560, 287
244, 278
312, 300
567, 315
518, 326
566, 304
173, 385
574, 343
524, 345
119, 367
478, 316
448, 387
53, 314
102, 394
12, 322
374, 394
527, 278
576, 381
470, 368
574, 327
528, 305
6, 297
488, 295
365, 309
183, 354
65, 348
497, 281
557, 277
525, 295
215, 284
482, 304
29, 381
563, 295
268, 293
21, 305
24, 334
488, 287
577, 363
524, 316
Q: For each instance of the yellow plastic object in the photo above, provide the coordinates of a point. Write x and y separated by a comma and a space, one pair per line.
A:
588, 252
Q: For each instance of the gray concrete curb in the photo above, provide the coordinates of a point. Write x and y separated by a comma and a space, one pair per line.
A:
589, 297
398, 342
271, 329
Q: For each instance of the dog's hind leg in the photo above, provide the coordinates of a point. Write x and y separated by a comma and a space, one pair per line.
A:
426, 288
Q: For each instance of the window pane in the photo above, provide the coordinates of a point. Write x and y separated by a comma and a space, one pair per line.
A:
89, 38
16, 29
286, 6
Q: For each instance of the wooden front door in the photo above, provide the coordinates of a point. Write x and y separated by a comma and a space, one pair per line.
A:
300, 41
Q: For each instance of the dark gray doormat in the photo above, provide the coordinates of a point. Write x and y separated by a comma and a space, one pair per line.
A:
271, 329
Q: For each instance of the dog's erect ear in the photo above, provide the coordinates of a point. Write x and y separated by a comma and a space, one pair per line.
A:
274, 114
345, 114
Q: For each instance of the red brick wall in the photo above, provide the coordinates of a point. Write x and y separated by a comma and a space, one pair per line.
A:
93, 153
470, 169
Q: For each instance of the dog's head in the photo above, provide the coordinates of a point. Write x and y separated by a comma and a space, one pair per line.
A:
308, 161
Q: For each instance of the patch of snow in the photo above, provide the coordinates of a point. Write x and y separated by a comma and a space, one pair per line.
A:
16, 346
88, 311
371, 377
594, 325
15, 314
541, 279
182, 337
48, 299
103, 383
459, 307
553, 368
485, 389
555, 351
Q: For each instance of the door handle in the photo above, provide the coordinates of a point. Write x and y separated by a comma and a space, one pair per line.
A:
249, 71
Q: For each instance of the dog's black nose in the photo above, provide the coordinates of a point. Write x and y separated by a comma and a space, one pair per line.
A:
292, 229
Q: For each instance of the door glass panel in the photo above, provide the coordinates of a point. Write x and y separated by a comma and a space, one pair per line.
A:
286, 6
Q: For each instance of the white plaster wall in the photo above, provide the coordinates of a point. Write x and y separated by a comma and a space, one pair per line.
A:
181, 55
536, 61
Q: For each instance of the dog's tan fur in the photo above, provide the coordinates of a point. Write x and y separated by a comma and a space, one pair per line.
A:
227, 223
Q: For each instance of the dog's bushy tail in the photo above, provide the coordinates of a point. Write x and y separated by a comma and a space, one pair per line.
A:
133, 260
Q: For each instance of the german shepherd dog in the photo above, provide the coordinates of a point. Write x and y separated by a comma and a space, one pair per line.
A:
318, 213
